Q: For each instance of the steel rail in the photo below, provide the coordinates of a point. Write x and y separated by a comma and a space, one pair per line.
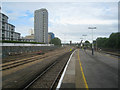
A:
49, 67
31, 83
25, 61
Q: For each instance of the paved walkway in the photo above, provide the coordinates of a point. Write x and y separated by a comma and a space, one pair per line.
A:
87, 71
74, 76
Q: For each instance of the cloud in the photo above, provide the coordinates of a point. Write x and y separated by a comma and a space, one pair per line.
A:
84, 21
61, 0
32, 19
67, 20
24, 30
74, 32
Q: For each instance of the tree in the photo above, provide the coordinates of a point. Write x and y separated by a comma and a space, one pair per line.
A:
112, 42
56, 41
102, 42
87, 44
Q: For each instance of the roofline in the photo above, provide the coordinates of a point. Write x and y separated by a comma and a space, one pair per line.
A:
4, 14
42, 9
9, 24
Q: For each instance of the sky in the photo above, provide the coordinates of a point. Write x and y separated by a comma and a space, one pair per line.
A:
67, 20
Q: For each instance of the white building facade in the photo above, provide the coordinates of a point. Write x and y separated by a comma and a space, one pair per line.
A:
41, 25
7, 30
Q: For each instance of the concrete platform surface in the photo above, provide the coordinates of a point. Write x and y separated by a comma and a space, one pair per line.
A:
85, 70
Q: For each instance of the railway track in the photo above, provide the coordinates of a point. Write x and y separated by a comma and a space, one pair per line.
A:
25, 55
111, 53
17, 57
50, 76
13, 64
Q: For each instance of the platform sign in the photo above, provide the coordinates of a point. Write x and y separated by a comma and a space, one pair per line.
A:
71, 49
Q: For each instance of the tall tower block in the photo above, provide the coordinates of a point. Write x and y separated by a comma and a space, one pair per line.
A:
41, 25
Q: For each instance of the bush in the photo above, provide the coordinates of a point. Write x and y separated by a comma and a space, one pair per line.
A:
6, 41
56, 41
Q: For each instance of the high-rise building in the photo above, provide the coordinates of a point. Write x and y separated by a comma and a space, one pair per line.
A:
31, 32
41, 25
50, 36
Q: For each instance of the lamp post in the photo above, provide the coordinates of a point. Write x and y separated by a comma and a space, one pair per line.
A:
92, 28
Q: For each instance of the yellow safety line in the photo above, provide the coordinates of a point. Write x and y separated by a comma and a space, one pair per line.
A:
86, 86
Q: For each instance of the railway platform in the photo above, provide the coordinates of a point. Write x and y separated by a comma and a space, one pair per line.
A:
84, 69
73, 76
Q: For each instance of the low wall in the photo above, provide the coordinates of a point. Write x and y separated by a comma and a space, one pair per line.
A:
24, 44
7, 50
